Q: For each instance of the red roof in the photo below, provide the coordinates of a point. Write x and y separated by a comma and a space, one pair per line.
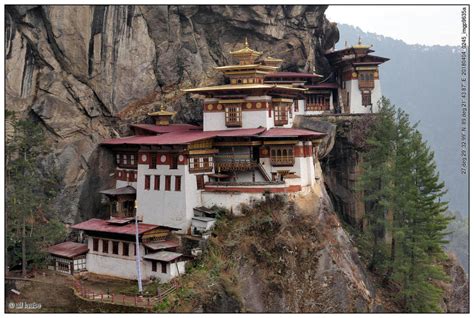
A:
291, 132
182, 137
68, 249
292, 74
166, 129
323, 86
98, 225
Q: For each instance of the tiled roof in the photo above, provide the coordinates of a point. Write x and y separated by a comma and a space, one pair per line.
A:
292, 74
98, 225
161, 245
182, 137
291, 132
120, 191
164, 256
323, 85
68, 249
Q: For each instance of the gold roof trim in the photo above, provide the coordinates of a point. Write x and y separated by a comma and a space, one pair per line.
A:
242, 86
162, 112
272, 59
246, 50
249, 66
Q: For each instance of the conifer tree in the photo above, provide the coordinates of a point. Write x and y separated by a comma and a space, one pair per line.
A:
31, 225
400, 176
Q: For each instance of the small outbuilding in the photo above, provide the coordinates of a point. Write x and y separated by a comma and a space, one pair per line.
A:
68, 257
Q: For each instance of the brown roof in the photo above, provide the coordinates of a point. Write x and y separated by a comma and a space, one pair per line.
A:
291, 132
120, 191
98, 225
68, 249
161, 245
165, 256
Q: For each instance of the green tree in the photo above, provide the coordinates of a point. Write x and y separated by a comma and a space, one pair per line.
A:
400, 179
31, 224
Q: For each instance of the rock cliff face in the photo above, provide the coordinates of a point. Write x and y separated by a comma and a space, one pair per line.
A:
85, 71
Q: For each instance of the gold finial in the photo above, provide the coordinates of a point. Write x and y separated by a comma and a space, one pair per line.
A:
162, 107
360, 41
246, 42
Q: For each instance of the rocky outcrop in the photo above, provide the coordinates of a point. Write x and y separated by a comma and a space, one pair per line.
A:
85, 71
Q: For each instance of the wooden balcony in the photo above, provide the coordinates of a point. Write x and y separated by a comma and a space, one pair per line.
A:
282, 161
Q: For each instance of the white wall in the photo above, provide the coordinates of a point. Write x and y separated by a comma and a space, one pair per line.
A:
171, 270
356, 106
111, 264
229, 200
171, 208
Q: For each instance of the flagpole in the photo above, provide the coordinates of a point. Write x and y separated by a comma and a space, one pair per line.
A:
137, 254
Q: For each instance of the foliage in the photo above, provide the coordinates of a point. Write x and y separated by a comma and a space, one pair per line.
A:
31, 224
405, 217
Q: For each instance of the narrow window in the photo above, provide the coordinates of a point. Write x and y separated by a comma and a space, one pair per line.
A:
152, 162
105, 246
177, 183
168, 183
200, 181
118, 159
125, 162
157, 183
115, 247
125, 249
147, 182
153, 266
174, 162
163, 267
95, 245
132, 160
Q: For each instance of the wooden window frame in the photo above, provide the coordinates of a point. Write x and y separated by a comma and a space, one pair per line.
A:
164, 267
201, 164
105, 246
233, 115
154, 268
366, 79
147, 182
177, 183
95, 244
167, 183
115, 247
156, 183
200, 181
282, 156
280, 114
366, 98
125, 249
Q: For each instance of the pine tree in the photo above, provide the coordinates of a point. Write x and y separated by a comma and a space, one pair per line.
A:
400, 176
31, 225
376, 182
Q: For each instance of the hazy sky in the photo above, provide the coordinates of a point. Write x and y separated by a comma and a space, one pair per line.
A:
427, 25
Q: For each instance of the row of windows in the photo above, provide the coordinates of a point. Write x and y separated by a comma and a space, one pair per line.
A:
115, 247
197, 164
282, 156
154, 266
157, 183
233, 114
173, 161
125, 159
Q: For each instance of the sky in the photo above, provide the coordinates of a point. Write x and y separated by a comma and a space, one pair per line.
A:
427, 25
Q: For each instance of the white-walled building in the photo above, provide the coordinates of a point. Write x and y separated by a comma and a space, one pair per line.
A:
245, 150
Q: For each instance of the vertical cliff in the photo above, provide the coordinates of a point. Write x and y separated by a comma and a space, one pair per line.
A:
84, 72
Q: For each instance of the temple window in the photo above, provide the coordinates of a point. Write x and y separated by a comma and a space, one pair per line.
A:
115, 247
167, 183
201, 164
152, 164
174, 161
147, 182
281, 114
282, 156
366, 79
200, 182
177, 183
105, 246
233, 115
317, 102
125, 249
95, 245
366, 98
157, 183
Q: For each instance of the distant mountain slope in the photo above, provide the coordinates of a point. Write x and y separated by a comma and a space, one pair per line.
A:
425, 82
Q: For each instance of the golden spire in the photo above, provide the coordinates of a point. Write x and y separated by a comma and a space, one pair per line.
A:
246, 43
360, 41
